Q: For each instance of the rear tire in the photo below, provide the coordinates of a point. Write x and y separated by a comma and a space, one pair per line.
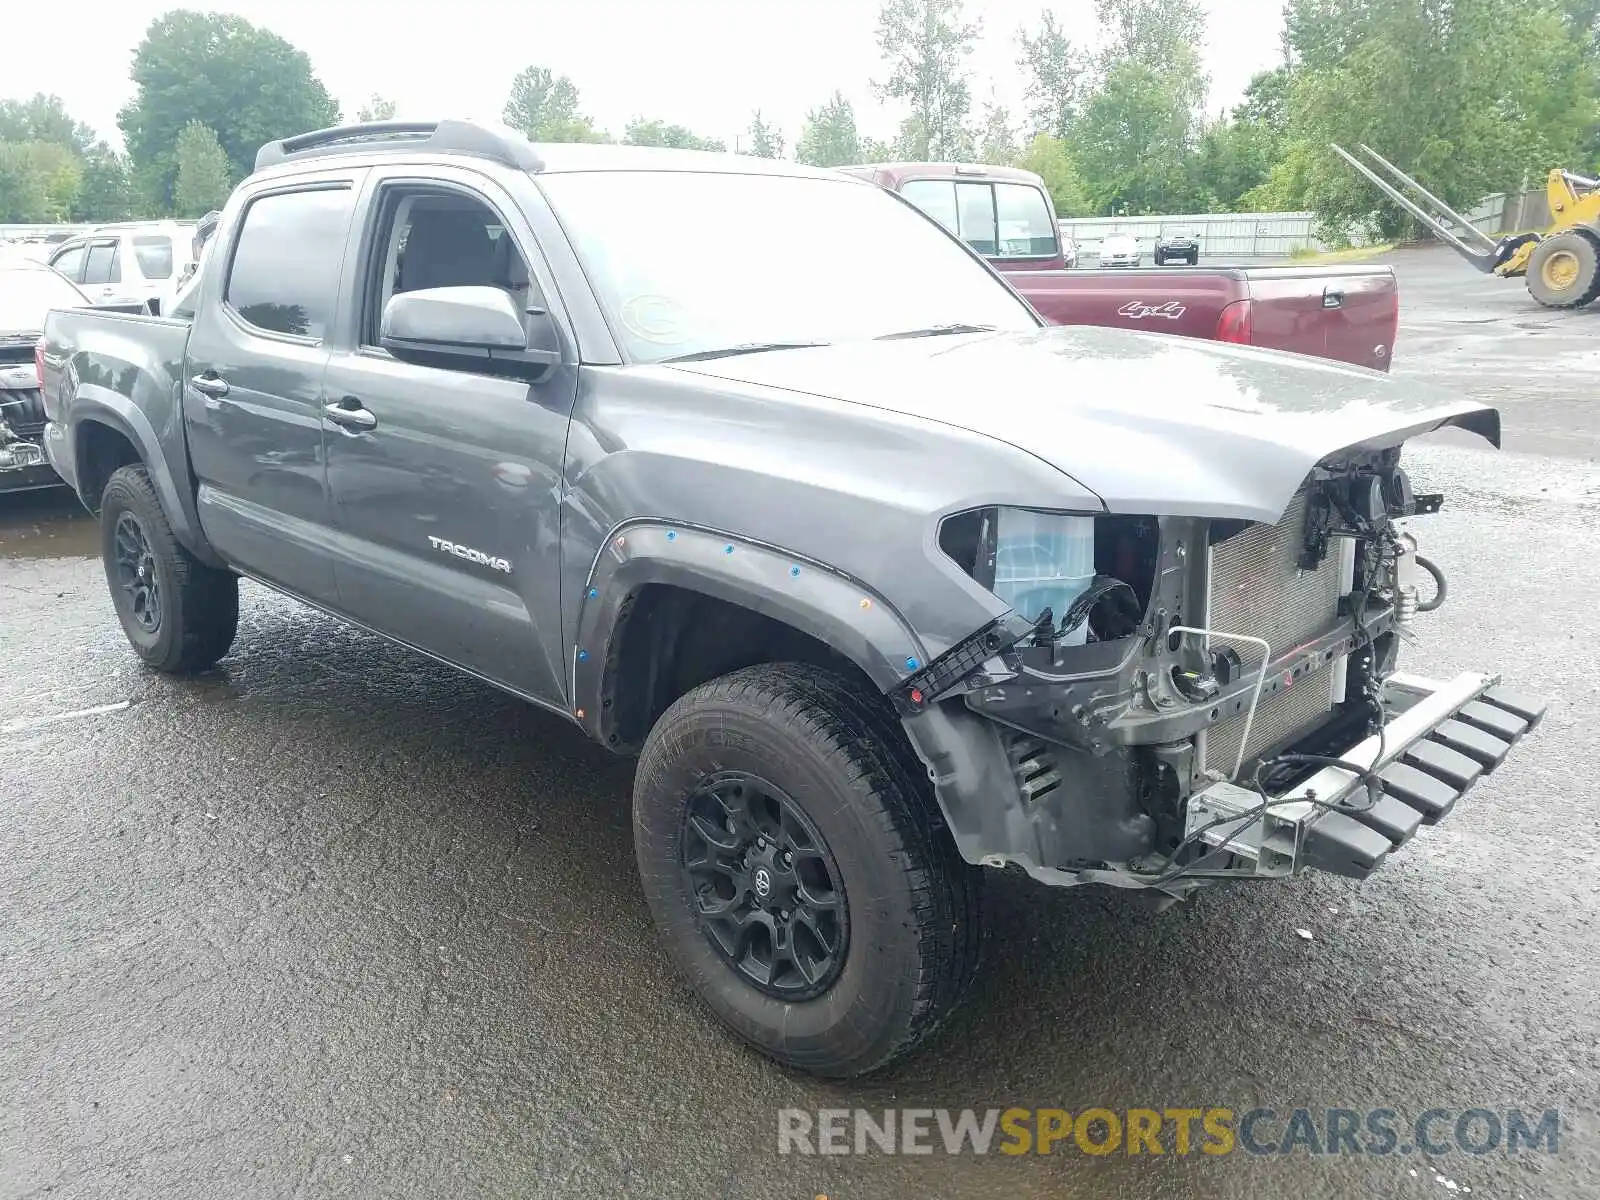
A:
829, 761
1564, 270
179, 615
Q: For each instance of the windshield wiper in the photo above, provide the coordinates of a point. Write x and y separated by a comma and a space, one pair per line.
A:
742, 348
934, 331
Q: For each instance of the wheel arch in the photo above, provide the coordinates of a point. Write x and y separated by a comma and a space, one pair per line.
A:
109, 431
667, 607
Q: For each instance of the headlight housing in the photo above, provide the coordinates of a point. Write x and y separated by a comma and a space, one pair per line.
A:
1039, 560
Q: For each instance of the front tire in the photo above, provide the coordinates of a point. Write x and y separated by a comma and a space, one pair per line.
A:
1564, 270
179, 615
798, 868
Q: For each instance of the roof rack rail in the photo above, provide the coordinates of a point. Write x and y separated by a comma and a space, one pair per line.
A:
504, 146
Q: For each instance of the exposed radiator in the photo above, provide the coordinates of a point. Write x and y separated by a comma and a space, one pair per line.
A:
1258, 588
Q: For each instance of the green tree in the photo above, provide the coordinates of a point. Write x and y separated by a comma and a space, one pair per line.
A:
248, 84
1056, 72
1472, 97
997, 137
544, 107
1131, 143
766, 139
43, 119
925, 45
829, 137
641, 132
377, 108
202, 182
1046, 156
1137, 126
874, 151
106, 193
1163, 35
1266, 101
23, 194
1233, 157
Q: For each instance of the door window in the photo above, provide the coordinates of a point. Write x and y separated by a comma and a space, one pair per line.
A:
284, 277
936, 197
70, 263
430, 239
1023, 217
104, 264
975, 208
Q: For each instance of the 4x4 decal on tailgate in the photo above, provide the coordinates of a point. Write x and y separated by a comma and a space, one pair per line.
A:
1138, 310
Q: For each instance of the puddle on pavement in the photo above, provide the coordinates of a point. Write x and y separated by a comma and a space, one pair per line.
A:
46, 524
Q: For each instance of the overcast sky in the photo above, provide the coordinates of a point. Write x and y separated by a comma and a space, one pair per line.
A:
702, 63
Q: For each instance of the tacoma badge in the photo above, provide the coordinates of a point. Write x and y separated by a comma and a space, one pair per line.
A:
471, 555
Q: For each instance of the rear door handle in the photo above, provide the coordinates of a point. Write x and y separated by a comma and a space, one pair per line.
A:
1332, 298
350, 413
209, 384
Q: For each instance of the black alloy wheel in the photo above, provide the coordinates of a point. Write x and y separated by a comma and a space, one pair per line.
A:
768, 893
136, 573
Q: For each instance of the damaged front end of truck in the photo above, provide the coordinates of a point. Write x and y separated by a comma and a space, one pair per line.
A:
1225, 701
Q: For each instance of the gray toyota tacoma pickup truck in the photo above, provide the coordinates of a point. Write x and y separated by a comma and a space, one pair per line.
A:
884, 582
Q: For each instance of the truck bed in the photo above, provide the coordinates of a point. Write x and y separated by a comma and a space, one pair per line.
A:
1347, 313
129, 376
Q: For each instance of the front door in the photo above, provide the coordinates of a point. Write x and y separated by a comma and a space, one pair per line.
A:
252, 395
446, 488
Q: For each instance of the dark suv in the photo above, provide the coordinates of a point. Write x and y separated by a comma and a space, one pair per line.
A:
1178, 245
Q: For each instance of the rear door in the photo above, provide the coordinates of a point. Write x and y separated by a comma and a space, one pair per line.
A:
102, 272
252, 396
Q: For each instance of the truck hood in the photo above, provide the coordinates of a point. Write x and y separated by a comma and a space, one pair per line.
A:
1151, 424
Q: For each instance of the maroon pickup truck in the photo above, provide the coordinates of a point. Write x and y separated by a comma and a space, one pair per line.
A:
1348, 312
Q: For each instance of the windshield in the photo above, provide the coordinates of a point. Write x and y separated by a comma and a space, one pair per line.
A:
26, 294
692, 262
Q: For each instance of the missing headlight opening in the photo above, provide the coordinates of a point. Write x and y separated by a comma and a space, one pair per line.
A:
1183, 655
1075, 578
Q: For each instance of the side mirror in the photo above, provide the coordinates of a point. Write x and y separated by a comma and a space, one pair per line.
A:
476, 325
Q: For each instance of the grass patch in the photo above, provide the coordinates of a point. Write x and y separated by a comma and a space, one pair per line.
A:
1355, 254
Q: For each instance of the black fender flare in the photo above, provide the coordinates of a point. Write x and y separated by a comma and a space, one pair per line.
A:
812, 597
92, 404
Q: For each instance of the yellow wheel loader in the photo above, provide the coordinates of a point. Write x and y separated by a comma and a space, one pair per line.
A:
1561, 265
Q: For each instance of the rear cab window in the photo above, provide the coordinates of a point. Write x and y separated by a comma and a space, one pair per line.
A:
284, 274
997, 219
154, 254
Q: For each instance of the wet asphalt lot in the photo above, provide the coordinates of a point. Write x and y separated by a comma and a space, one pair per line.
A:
333, 921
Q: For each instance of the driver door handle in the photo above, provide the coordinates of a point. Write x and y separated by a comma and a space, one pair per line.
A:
209, 384
350, 413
